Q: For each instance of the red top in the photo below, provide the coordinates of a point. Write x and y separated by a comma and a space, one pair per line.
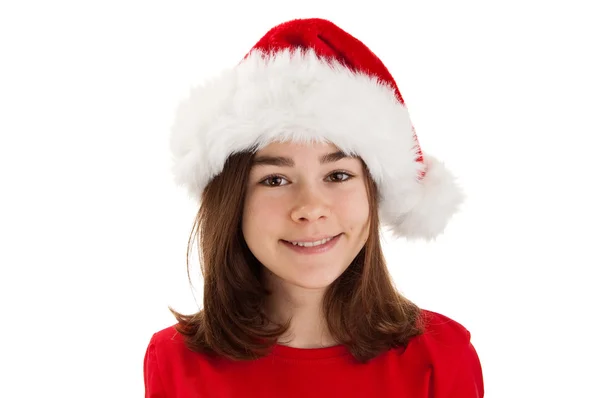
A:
441, 363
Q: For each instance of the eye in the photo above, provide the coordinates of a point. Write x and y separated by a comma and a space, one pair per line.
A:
273, 181
339, 176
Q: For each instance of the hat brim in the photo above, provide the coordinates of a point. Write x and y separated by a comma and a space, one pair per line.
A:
301, 97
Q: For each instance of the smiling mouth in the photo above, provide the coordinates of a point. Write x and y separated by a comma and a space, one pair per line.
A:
312, 244
315, 246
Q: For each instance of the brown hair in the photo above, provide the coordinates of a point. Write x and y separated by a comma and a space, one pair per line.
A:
362, 308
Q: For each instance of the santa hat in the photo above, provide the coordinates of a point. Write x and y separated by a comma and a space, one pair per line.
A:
308, 80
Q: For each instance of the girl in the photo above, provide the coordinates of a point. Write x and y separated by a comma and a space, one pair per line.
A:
297, 156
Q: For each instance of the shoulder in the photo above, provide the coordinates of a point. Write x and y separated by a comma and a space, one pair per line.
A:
445, 347
168, 355
168, 343
167, 335
444, 329
444, 339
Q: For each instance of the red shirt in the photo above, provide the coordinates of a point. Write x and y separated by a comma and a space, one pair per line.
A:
441, 363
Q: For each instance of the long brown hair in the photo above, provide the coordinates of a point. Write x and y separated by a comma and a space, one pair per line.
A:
363, 309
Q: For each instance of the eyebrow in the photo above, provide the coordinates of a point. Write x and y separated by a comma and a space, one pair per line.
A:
289, 162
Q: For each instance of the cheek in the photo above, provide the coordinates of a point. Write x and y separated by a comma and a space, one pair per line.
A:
261, 215
353, 209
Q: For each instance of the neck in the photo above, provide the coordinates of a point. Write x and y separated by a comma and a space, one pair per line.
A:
308, 328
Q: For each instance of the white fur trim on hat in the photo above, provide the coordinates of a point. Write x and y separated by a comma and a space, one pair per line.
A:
297, 96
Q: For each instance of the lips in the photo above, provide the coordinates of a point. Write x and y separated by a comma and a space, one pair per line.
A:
313, 249
312, 240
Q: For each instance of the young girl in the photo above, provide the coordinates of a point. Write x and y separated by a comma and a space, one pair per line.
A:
296, 156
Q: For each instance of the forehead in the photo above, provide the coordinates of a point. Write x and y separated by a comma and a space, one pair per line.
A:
290, 149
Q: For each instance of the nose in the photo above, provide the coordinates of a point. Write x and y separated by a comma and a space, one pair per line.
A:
311, 205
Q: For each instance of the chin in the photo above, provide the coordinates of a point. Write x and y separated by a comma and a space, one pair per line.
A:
315, 278
312, 285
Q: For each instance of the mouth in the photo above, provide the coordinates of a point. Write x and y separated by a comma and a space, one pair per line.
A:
313, 247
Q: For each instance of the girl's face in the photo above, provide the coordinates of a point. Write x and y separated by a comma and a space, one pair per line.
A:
306, 212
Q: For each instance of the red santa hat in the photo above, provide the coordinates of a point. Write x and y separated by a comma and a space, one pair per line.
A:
308, 80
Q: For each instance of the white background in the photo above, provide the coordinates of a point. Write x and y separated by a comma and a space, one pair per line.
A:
94, 232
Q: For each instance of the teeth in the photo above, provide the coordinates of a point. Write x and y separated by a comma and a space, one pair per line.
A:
312, 244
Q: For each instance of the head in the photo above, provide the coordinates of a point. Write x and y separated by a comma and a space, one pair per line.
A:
250, 213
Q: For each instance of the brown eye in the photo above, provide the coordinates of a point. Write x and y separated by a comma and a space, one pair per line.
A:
339, 176
273, 181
